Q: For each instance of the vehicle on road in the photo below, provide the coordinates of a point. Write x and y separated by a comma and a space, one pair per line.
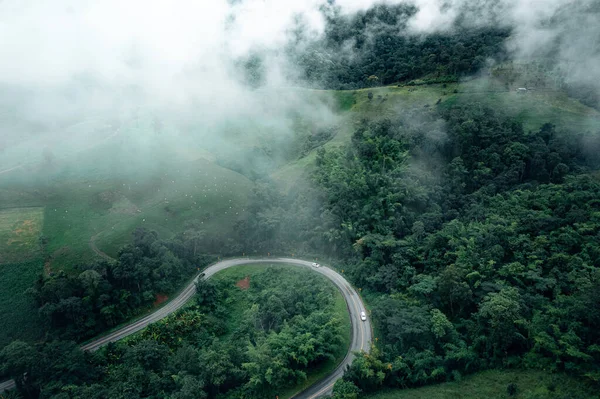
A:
315, 264
363, 316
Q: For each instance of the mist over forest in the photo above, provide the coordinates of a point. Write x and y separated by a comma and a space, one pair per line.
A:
441, 156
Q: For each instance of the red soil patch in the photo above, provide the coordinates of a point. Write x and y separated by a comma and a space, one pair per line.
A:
243, 284
25, 226
160, 299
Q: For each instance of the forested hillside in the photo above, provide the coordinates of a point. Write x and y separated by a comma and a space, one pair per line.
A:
479, 248
450, 171
475, 242
375, 47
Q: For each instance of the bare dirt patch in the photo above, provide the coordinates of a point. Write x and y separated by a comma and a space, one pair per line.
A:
243, 284
160, 299
20, 230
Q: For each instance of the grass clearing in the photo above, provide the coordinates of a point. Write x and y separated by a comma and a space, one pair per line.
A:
493, 384
20, 230
107, 209
237, 307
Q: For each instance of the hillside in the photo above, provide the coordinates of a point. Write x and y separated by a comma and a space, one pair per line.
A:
532, 109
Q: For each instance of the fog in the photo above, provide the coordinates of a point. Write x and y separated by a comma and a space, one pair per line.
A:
106, 63
565, 31
68, 62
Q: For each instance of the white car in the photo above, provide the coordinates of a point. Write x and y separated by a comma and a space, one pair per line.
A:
363, 316
316, 264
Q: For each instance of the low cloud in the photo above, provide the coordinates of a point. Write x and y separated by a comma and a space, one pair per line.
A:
64, 59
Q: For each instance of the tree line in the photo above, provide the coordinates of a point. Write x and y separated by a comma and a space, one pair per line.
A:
377, 47
478, 242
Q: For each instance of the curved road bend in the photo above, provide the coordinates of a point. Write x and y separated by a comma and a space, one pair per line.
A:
361, 330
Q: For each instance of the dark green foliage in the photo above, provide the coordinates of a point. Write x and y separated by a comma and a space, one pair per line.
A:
512, 389
317, 139
52, 365
287, 327
106, 293
345, 390
480, 246
376, 47
286, 224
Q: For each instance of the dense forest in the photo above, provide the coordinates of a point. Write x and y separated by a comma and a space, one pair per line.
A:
475, 241
103, 294
375, 47
287, 326
480, 248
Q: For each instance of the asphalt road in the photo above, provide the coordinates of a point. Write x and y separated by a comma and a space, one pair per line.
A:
361, 330
7, 385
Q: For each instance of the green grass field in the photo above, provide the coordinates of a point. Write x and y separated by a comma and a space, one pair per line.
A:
237, 308
107, 212
493, 385
77, 209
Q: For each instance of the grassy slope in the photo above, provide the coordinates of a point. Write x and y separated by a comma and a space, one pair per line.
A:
20, 263
237, 308
82, 202
493, 385
104, 192
532, 109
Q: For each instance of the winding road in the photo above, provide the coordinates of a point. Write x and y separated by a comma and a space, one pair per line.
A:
361, 330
